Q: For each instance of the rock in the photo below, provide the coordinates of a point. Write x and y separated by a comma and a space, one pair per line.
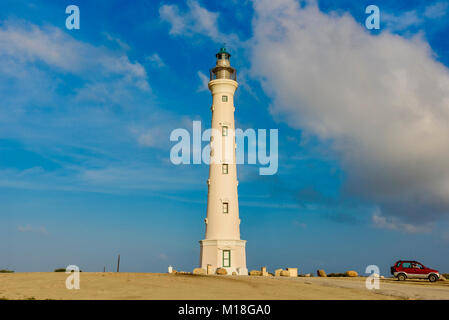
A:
255, 273
321, 273
199, 271
242, 271
307, 275
442, 278
351, 273
221, 271
263, 271
293, 272
277, 272
382, 277
285, 273
209, 269
234, 273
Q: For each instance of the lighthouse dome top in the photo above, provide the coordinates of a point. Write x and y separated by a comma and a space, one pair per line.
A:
223, 53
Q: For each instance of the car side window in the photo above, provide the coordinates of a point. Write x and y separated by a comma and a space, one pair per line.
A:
406, 265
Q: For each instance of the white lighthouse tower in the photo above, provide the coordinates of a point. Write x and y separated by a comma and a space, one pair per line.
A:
222, 247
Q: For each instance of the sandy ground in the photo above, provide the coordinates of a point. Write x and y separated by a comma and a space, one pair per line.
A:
51, 285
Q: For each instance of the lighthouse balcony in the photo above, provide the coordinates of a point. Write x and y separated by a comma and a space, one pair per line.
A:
223, 72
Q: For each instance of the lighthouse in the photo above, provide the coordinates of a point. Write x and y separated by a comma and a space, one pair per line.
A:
222, 246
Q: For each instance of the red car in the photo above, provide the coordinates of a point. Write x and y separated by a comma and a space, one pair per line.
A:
404, 269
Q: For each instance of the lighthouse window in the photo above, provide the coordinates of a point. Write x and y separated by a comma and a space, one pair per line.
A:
224, 168
226, 258
225, 207
224, 98
225, 131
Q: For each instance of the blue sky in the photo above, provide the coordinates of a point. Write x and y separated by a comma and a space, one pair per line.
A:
85, 118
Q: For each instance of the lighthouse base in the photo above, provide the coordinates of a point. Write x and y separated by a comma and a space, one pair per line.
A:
227, 254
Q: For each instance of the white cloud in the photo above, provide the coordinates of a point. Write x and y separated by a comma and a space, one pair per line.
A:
34, 63
154, 137
445, 236
134, 178
22, 43
392, 223
299, 224
163, 257
413, 18
121, 44
402, 21
204, 86
73, 104
436, 10
196, 20
30, 228
170, 14
156, 60
381, 101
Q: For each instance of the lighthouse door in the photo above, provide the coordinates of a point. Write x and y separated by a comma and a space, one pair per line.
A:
226, 258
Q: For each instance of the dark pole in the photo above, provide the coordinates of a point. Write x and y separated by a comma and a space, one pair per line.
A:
104, 269
118, 264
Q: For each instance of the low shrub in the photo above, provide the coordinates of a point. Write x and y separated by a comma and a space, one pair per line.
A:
6, 271
337, 275
63, 270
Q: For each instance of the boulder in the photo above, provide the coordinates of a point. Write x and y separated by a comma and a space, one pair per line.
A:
263, 271
242, 271
285, 273
321, 273
277, 272
351, 273
221, 271
199, 271
209, 269
307, 275
293, 272
255, 273
442, 278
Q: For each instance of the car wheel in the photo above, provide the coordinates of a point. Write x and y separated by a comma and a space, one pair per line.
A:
402, 277
433, 278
